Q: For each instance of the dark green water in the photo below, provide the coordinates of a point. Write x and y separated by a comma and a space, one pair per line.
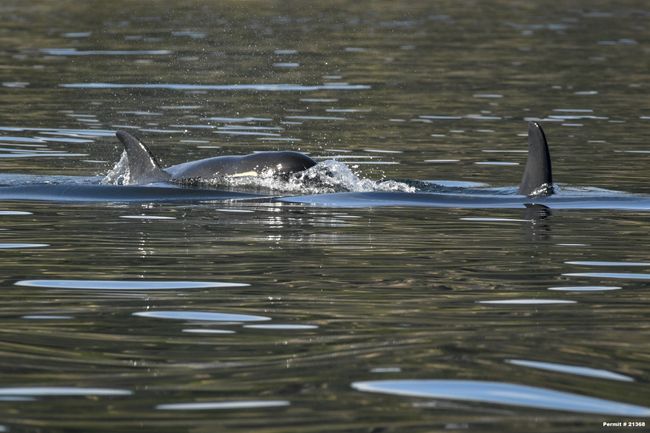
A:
370, 294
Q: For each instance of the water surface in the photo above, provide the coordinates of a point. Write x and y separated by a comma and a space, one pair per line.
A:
242, 308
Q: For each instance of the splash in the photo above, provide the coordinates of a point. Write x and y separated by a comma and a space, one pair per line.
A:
120, 173
325, 177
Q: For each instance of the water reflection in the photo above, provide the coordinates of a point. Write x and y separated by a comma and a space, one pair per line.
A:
18, 245
75, 52
527, 301
136, 285
54, 391
386, 288
201, 316
605, 263
224, 405
282, 327
281, 87
571, 369
609, 275
208, 331
584, 288
502, 393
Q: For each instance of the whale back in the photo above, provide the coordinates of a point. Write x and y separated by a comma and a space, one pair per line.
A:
537, 180
256, 164
143, 166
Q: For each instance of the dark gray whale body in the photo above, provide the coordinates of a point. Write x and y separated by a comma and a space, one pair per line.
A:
144, 168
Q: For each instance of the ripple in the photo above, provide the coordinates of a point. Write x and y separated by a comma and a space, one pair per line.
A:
21, 139
382, 151
498, 163
584, 288
48, 154
238, 119
11, 246
527, 302
440, 117
494, 220
318, 100
190, 34
482, 117
286, 65
254, 133
456, 183
348, 110
76, 34
75, 52
602, 263
502, 393
13, 398
620, 275
126, 284
288, 139
147, 217
62, 391
374, 163
224, 87
251, 128
208, 331
503, 151
235, 210
577, 117
61, 131
46, 317
488, 95
386, 370
282, 326
571, 369
213, 405
15, 84
200, 316
336, 118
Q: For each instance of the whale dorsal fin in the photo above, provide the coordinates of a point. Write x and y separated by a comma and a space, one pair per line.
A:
538, 178
143, 166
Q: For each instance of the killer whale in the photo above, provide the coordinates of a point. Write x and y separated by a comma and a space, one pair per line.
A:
148, 182
144, 168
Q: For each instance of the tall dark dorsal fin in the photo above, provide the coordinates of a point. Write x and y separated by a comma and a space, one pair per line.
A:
538, 178
143, 167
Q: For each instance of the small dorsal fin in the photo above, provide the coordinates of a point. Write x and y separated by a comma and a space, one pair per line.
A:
143, 166
538, 178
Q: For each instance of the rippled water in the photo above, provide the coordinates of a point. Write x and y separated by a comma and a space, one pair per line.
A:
401, 286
